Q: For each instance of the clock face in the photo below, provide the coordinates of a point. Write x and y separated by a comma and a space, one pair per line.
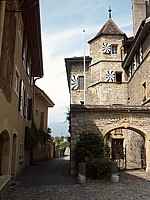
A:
74, 82
110, 76
106, 47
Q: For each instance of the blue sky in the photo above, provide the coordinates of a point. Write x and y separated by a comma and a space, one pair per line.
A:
62, 24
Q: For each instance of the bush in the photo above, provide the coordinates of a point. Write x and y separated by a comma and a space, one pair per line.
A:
98, 168
90, 150
90, 145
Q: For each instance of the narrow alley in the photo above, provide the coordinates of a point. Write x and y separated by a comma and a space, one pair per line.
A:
52, 172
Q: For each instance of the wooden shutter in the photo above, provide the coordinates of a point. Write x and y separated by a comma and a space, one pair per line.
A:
42, 120
29, 109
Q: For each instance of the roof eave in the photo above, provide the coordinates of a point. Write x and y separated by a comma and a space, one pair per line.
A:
44, 96
138, 39
31, 19
68, 62
102, 34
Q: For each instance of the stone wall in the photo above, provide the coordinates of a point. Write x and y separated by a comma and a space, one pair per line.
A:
108, 93
140, 76
96, 48
106, 119
7, 55
77, 95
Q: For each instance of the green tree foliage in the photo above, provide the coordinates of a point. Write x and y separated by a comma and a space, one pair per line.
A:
90, 145
58, 140
33, 136
90, 150
63, 145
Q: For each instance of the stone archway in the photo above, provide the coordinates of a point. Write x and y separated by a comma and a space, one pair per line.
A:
102, 119
126, 145
5, 152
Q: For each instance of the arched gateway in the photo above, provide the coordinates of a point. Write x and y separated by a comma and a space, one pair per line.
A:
126, 127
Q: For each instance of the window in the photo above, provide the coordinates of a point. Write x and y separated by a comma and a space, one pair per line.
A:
17, 82
28, 63
21, 152
26, 56
25, 109
135, 62
81, 82
114, 49
118, 76
42, 121
141, 53
21, 97
29, 109
144, 92
25, 103
130, 71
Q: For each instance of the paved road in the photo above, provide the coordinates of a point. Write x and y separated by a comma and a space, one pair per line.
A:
52, 172
51, 181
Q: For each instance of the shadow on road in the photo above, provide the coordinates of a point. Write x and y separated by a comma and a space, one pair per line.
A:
52, 172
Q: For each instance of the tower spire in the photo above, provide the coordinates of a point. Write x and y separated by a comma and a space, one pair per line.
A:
110, 10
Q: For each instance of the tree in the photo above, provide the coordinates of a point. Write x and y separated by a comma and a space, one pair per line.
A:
63, 145
33, 136
90, 150
90, 145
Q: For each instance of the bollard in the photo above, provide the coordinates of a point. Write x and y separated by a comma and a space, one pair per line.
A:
82, 173
114, 170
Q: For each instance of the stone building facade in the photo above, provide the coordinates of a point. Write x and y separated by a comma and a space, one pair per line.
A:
20, 66
117, 90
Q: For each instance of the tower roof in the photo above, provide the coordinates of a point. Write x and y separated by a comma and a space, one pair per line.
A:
109, 28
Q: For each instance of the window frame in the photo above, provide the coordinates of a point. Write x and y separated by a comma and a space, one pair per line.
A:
117, 74
17, 81
113, 50
81, 82
21, 152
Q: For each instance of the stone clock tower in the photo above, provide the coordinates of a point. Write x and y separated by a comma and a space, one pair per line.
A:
107, 83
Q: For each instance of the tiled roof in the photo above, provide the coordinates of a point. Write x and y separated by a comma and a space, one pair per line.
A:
109, 28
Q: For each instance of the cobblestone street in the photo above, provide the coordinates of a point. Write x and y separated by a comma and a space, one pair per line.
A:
133, 185
129, 188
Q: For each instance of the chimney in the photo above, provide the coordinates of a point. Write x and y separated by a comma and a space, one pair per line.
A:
140, 11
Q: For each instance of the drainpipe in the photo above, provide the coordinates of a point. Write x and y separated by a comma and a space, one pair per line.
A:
2, 14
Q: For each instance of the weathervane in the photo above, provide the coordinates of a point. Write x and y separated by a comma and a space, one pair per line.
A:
110, 10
